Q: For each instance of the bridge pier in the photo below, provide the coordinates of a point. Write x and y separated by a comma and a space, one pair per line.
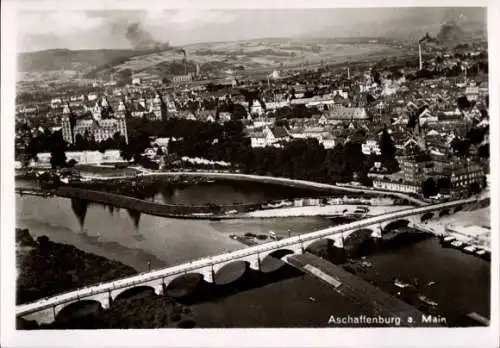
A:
377, 231
208, 273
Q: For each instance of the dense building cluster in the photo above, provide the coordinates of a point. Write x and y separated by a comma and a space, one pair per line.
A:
434, 114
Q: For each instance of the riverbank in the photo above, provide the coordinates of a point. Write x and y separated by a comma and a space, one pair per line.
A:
322, 187
471, 227
303, 203
50, 268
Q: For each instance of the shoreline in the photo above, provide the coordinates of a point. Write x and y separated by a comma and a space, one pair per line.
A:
296, 183
294, 207
39, 276
325, 211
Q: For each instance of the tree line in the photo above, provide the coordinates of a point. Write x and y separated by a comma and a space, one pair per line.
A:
299, 158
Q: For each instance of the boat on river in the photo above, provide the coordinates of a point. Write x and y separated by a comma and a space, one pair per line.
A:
427, 301
447, 240
469, 249
401, 284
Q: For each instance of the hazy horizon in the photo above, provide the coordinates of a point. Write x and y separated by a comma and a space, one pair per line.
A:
122, 29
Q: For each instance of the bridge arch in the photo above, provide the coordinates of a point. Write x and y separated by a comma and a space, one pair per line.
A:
218, 267
102, 297
278, 254
427, 216
65, 312
444, 212
183, 284
274, 260
335, 240
282, 251
230, 272
357, 237
135, 289
399, 223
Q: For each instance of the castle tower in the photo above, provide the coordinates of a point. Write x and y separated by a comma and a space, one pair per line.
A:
67, 124
120, 116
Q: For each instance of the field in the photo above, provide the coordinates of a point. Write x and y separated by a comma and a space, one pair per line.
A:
213, 58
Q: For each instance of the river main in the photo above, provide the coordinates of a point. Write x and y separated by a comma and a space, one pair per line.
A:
137, 240
142, 241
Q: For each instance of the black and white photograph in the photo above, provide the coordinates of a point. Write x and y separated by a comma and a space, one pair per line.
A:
249, 168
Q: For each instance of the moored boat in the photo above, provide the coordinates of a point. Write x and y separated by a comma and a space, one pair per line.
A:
427, 301
401, 284
469, 249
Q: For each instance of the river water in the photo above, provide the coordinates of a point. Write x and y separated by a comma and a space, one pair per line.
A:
462, 280
224, 192
138, 239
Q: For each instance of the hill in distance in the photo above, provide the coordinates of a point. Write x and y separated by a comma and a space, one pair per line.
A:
337, 43
212, 56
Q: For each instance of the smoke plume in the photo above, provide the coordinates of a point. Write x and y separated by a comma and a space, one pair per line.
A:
140, 39
427, 38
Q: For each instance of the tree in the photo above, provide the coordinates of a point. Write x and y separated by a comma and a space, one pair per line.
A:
125, 76
102, 146
388, 152
57, 150
43, 241
463, 103
282, 123
239, 112
429, 188
460, 147
484, 151
444, 184
474, 188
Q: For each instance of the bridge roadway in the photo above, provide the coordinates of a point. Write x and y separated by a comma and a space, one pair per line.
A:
207, 266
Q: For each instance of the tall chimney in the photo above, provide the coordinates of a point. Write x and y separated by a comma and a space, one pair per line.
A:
419, 57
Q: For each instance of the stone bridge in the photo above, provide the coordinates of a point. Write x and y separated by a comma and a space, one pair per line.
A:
46, 310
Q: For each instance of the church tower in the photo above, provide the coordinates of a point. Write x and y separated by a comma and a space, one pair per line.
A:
158, 108
97, 112
120, 116
67, 124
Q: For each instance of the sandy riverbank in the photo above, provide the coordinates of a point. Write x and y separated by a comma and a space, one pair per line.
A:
328, 210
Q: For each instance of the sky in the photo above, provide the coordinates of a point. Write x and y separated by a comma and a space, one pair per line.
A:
108, 29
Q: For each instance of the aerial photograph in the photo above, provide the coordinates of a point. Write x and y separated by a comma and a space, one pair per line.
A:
252, 168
